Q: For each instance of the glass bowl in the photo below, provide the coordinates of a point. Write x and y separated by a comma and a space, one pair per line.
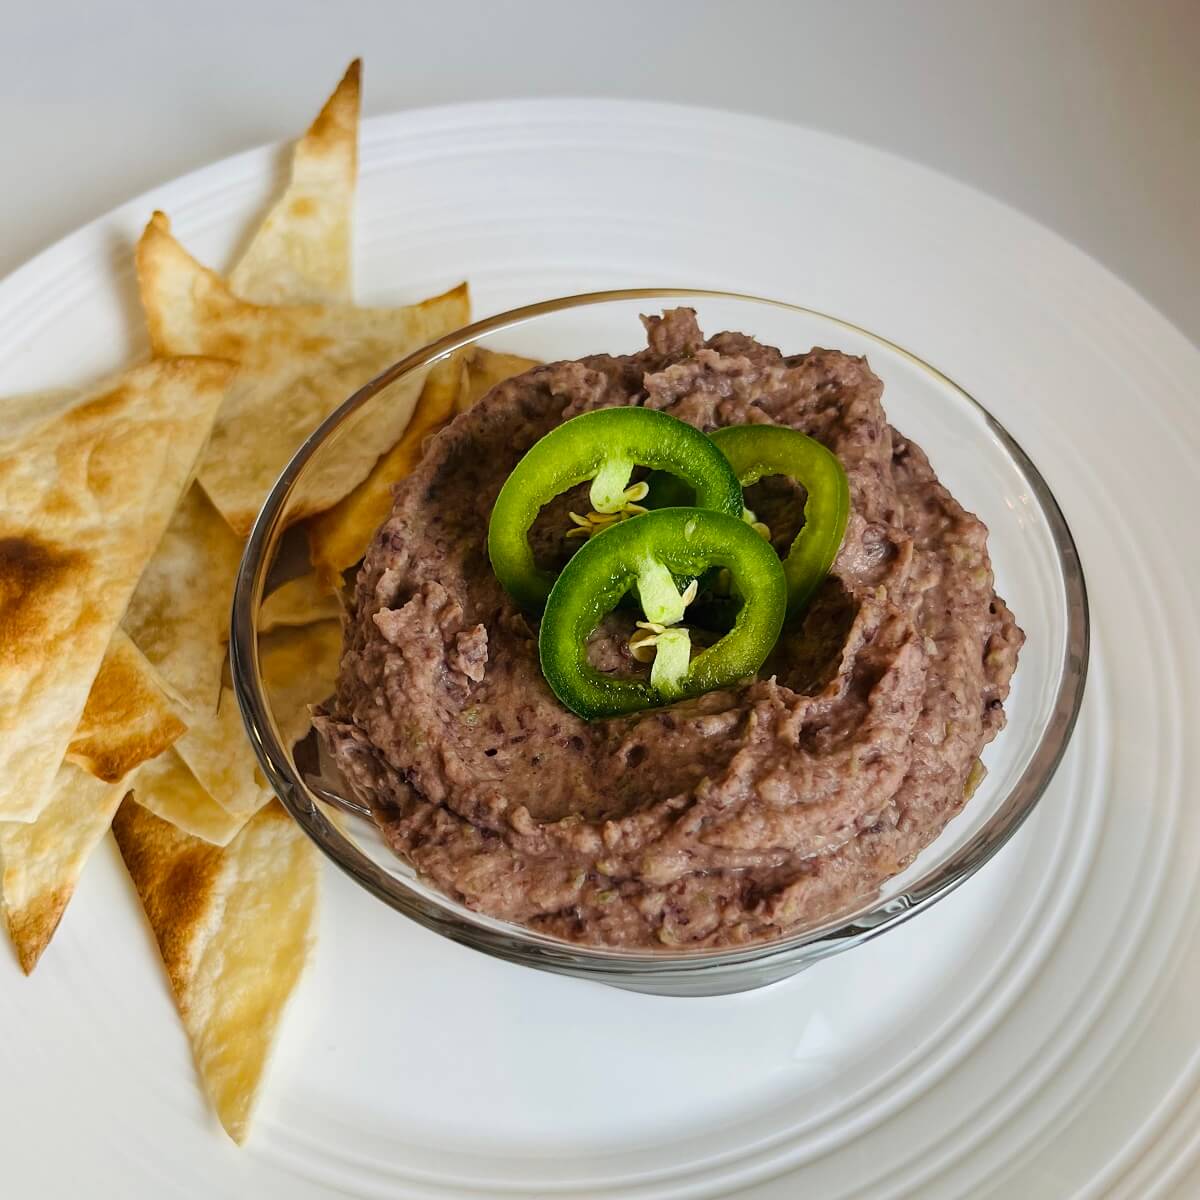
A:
1037, 571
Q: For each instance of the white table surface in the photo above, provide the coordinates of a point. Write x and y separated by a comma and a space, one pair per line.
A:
1083, 113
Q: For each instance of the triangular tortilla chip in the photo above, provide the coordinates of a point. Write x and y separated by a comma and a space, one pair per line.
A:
297, 364
299, 668
339, 537
235, 927
44, 859
302, 252
168, 789
234, 782
486, 368
84, 498
300, 601
179, 618
127, 720
22, 412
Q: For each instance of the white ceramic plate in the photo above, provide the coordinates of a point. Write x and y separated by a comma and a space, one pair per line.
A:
1035, 1035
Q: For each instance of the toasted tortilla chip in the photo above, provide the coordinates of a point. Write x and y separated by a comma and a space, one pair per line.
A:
22, 412
127, 720
300, 668
180, 609
44, 859
297, 364
235, 927
179, 617
233, 779
300, 601
302, 252
167, 787
338, 538
84, 498
486, 368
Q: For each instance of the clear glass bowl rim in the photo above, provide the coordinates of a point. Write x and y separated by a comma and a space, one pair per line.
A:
520, 945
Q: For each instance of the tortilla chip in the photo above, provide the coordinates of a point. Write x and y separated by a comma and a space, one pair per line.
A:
127, 720
300, 601
168, 789
299, 668
338, 538
84, 499
235, 927
234, 781
297, 365
486, 368
44, 859
302, 252
179, 618
179, 612
22, 412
